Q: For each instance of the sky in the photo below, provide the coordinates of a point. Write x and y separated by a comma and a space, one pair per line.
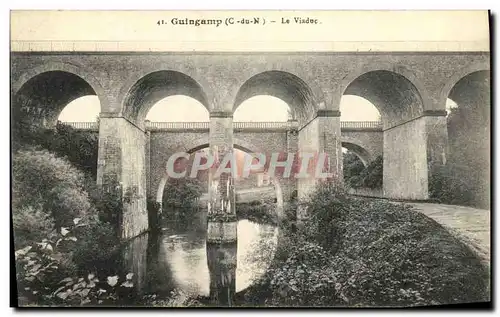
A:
255, 109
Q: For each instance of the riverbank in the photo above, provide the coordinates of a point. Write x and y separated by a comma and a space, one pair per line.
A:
359, 252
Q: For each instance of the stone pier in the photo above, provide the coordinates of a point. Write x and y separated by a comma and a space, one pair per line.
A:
222, 222
121, 167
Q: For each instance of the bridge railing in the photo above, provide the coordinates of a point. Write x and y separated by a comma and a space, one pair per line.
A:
263, 125
179, 126
360, 125
83, 125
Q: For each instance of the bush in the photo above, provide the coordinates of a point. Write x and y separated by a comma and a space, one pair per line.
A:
372, 176
48, 193
97, 242
78, 147
44, 182
366, 252
327, 205
182, 192
30, 225
302, 275
358, 176
42, 279
394, 256
352, 167
257, 211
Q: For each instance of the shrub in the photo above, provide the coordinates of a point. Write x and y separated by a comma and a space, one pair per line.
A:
78, 147
48, 193
366, 252
43, 281
30, 225
258, 212
372, 176
304, 277
42, 180
327, 205
97, 242
182, 192
357, 176
392, 255
107, 201
352, 167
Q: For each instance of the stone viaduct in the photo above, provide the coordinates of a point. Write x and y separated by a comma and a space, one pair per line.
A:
409, 89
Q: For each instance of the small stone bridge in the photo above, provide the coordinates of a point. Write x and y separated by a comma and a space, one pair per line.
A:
364, 138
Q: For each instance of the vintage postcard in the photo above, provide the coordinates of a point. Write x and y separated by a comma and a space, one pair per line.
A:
251, 158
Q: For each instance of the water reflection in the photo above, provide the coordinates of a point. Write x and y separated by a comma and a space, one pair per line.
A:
177, 257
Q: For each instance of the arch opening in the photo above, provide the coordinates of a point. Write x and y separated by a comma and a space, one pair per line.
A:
154, 87
42, 98
285, 86
262, 108
356, 108
178, 108
242, 184
82, 109
395, 97
362, 154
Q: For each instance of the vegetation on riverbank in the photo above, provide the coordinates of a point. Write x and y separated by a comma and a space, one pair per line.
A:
356, 175
362, 252
262, 212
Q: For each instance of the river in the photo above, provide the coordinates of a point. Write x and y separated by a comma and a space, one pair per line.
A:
177, 257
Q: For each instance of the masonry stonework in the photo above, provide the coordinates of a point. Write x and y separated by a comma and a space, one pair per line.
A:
316, 81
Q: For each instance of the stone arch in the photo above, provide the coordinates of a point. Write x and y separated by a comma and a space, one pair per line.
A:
401, 100
283, 85
29, 74
360, 151
457, 76
157, 85
242, 145
43, 96
394, 90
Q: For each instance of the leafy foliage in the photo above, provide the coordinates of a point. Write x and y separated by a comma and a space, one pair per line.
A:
30, 225
394, 256
44, 182
43, 280
366, 252
257, 211
79, 147
182, 192
356, 175
352, 168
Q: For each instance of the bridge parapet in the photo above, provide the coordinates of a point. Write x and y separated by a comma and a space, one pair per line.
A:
361, 125
238, 126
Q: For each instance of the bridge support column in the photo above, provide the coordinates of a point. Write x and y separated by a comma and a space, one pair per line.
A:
321, 135
411, 150
122, 168
222, 223
292, 146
